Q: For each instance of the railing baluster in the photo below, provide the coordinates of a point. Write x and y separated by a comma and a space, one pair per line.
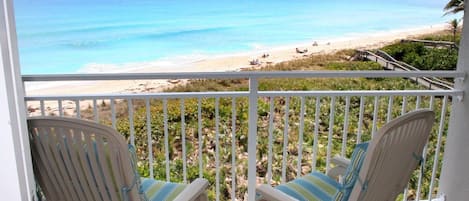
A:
271, 130
43, 112
300, 143
345, 131
375, 116
130, 107
199, 134
183, 139
233, 148
360, 119
149, 137
316, 132
404, 105
329, 136
417, 104
113, 112
432, 102
217, 147
166, 137
183, 136
389, 116
438, 145
77, 107
285, 140
59, 105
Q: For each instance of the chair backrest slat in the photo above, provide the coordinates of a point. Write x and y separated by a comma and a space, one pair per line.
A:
105, 170
52, 163
56, 151
38, 157
94, 167
392, 156
79, 156
65, 142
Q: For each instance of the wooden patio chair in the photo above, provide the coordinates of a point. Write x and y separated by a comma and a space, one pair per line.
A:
81, 160
378, 170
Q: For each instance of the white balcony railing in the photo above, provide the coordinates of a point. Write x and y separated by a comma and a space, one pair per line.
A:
183, 135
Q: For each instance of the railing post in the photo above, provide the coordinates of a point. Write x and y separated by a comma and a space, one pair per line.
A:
252, 138
454, 179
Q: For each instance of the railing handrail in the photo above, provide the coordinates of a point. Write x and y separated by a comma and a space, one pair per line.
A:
243, 74
319, 93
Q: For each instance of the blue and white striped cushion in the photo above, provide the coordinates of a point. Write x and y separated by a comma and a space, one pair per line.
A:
351, 174
319, 187
159, 190
154, 190
312, 187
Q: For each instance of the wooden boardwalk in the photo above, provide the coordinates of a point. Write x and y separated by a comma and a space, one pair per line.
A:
389, 63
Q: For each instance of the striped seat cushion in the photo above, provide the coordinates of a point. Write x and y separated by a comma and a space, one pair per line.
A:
154, 190
312, 187
351, 174
319, 187
159, 190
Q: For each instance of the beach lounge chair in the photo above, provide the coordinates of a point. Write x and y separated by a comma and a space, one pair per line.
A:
301, 51
377, 170
76, 159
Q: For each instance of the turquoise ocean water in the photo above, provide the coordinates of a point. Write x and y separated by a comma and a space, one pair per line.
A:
67, 36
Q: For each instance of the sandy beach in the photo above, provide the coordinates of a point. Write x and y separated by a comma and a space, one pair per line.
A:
232, 62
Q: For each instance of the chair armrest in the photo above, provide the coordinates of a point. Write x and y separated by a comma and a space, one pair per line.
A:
272, 194
340, 161
193, 191
336, 171
340, 168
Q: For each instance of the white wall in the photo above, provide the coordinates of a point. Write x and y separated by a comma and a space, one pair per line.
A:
9, 175
454, 179
16, 177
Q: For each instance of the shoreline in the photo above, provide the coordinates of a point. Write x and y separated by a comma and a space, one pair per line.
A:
217, 63
220, 62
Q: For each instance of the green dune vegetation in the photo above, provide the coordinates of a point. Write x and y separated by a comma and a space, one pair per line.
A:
209, 110
424, 58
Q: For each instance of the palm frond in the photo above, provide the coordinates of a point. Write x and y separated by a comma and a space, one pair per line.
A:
454, 6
